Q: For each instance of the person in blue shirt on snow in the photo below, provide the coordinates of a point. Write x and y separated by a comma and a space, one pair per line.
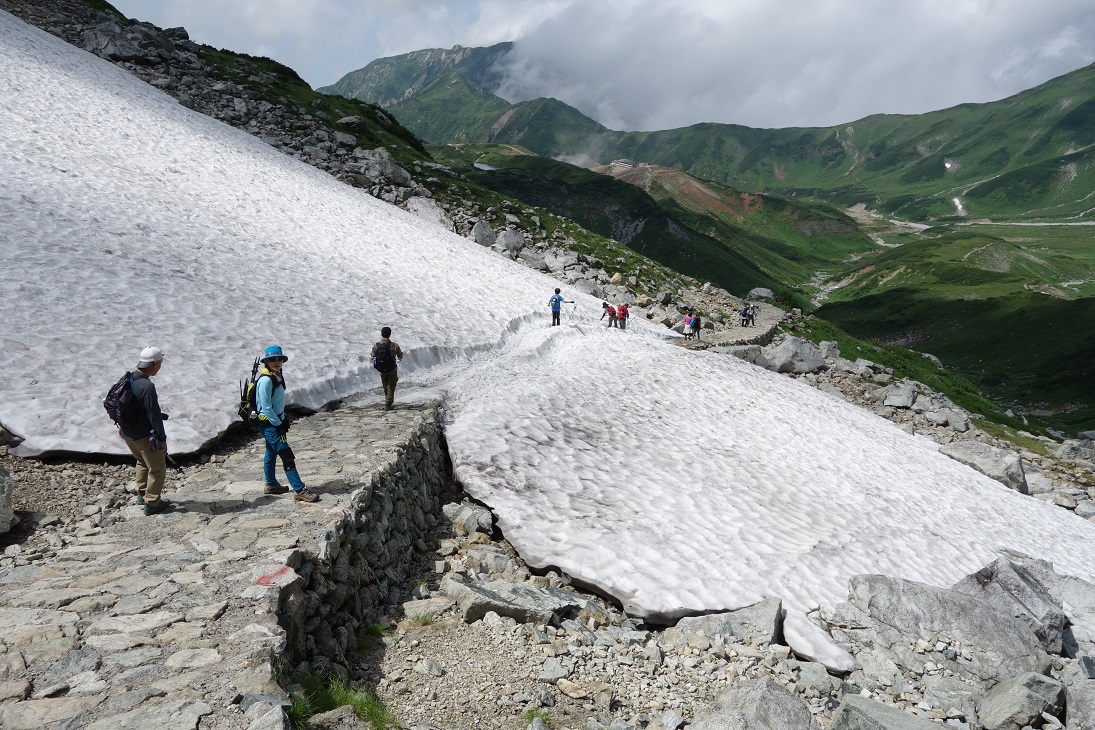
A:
556, 303
274, 425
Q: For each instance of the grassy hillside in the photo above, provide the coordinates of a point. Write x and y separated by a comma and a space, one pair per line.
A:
790, 240
613, 209
1027, 157
1012, 308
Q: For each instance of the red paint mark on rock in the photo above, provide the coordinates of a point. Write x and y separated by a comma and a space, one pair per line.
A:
271, 579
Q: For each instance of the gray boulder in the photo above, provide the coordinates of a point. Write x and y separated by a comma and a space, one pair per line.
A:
428, 210
7, 514
482, 233
761, 622
139, 43
760, 704
468, 518
509, 242
749, 353
1017, 702
954, 697
1080, 704
342, 718
860, 713
533, 260
519, 601
794, 355
1028, 590
995, 644
900, 395
379, 167
1000, 464
1078, 451
829, 349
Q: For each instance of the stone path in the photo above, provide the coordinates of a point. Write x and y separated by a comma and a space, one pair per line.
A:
160, 621
761, 333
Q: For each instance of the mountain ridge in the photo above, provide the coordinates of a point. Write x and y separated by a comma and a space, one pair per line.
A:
1002, 153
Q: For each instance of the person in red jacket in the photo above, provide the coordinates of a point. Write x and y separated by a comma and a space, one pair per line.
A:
622, 314
607, 310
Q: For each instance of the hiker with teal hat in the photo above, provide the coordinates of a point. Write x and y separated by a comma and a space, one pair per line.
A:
274, 425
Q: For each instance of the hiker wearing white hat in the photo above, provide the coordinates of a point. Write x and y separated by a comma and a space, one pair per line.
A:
142, 428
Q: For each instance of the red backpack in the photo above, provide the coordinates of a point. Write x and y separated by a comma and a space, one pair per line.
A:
621, 312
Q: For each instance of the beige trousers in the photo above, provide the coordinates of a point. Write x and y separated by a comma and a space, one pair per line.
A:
151, 469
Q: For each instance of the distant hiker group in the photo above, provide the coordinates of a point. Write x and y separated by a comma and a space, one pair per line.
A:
617, 316
692, 325
133, 404
749, 315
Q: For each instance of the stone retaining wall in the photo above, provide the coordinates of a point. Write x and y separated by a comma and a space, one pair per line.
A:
357, 564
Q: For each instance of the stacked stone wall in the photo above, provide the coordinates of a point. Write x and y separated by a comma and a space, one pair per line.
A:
356, 566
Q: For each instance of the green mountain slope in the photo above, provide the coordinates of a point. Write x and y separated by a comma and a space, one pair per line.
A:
791, 240
999, 305
1024, 157
611, 208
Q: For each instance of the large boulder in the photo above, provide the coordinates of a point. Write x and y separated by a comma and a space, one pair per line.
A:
1080, 704
509, 242
427, 209
1027, 589
755, 704
379, 167
761, 623
1000, 464
139, 43
482, 233
794, 355
1078, 451
7, 514
520, 601
900, 395
860, 713
749, 353
995, 645
467, 517
1017, 702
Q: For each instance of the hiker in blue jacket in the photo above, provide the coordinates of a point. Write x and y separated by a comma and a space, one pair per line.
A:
556, 303
270, 404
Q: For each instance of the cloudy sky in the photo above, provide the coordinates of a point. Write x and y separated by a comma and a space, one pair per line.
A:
658, 64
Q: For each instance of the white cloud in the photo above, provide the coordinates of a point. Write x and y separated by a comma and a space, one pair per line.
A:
646, 64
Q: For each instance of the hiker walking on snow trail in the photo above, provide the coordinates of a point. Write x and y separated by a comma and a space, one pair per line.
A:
385, 355
274, 425
556, 303
142, 428
622, 314
697, 323
607, 310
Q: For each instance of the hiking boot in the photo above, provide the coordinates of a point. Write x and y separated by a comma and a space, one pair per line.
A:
305, 496
388, 406
154, 509
275, 489
140, 497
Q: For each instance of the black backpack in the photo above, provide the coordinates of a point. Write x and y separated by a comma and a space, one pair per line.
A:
248, 410
119, 398
383, 360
